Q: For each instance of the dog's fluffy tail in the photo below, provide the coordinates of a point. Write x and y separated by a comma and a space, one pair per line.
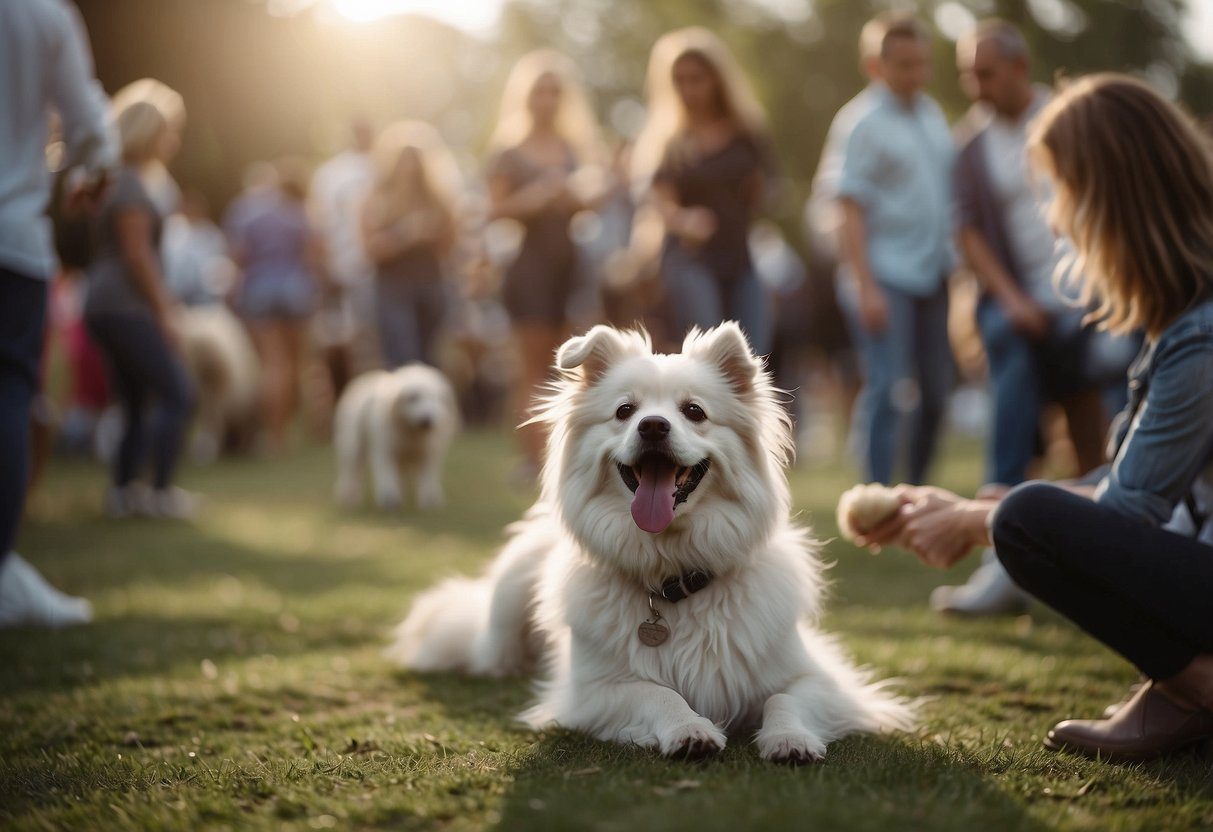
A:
481, 626
850, 699
442, 626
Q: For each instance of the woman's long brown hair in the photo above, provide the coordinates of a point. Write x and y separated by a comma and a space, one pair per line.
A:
1134, 191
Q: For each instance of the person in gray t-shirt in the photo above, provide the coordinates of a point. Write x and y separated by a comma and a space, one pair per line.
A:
129, 312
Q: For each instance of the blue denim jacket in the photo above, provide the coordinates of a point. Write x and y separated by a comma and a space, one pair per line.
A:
1162, 445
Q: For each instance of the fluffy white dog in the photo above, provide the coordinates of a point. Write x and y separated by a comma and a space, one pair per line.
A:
400, 424
220, 359
660, 579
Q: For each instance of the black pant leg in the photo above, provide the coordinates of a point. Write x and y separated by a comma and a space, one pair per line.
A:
1143, 591
22, 320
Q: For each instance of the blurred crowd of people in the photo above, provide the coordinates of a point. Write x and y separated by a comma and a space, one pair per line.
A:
388, 253
926, 241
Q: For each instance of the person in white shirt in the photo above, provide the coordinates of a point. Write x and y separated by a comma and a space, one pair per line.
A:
197, 270
895, 240
338, 191
45, 65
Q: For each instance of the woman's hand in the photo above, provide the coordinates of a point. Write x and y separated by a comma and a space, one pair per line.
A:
416, 227
696, 225
873, 307
936, 525
524, 202
168, 320
942, 530
1027, 316
551, 191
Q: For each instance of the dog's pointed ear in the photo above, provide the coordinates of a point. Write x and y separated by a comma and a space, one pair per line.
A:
726, 347
593, 352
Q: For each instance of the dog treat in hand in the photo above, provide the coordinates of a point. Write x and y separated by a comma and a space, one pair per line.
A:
864, 507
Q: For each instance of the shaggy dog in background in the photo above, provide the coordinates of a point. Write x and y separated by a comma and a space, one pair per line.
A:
660, 583
400, 424
222, 363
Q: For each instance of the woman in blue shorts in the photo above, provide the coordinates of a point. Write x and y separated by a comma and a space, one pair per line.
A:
279, 259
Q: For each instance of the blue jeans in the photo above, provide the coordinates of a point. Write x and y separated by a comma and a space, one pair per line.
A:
1139, 589
1015, 383
143, 368
22, 319
409, 314
1024, 375
907, 370
700, 299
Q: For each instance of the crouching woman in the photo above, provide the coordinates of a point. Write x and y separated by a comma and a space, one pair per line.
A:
1130, 559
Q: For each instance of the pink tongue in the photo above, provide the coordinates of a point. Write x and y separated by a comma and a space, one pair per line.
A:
653, 505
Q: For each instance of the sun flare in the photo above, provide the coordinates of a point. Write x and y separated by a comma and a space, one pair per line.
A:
476, 15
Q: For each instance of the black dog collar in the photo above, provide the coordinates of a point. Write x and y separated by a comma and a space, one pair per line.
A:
677, 587
653, 633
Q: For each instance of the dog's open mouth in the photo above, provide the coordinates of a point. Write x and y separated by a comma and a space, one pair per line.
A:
660, 484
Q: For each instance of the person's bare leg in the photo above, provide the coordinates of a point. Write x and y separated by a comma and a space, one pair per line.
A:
1088, 428
269, 351
333, 375
294, 337
537, 345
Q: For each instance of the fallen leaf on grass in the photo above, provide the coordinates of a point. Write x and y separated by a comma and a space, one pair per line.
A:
676, 786
1082, 791
365, 747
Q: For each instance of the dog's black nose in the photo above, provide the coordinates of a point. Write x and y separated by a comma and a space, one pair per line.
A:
425, 423
653, 428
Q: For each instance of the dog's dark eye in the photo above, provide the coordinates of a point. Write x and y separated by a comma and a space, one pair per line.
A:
625, 411
693, 412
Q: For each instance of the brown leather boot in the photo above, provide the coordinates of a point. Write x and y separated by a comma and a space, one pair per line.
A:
1111, 710
1150, 725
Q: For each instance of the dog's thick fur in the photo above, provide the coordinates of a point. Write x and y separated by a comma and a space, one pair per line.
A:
399, 424
572, 585
222, 363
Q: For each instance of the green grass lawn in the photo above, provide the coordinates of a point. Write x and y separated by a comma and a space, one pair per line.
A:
233, 679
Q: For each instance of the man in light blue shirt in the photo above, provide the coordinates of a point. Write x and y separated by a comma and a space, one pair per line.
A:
45, 65
822, 212
895, 241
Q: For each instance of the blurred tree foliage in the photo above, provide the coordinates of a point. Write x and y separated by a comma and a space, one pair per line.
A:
260, 85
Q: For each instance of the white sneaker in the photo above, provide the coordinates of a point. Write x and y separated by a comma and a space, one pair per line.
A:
27, 600
990, 591
131, 500
174, 503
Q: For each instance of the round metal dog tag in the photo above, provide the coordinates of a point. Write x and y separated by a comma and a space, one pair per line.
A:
653, 633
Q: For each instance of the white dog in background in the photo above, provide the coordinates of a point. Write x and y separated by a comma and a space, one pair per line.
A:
660, 581
222, 363
399, 424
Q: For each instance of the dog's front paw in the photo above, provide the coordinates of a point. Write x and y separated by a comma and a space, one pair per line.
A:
796, 748
693, 740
